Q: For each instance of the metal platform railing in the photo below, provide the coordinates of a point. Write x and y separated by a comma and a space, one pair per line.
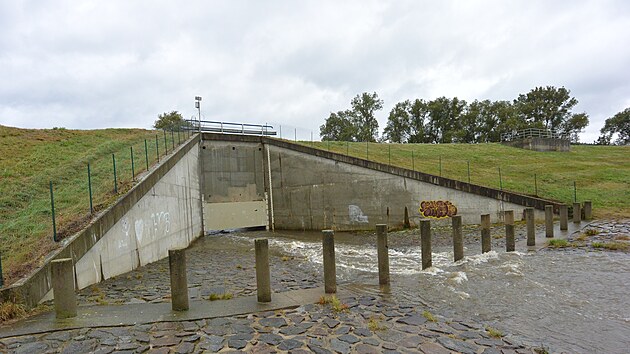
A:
533, 133
230, 128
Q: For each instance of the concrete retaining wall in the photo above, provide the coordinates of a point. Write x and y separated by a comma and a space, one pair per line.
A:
316, 189
540, 144
161, 211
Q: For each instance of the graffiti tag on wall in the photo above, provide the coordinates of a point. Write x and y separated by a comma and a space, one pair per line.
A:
437, 209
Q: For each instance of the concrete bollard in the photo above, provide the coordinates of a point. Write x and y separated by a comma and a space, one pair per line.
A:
510, 244
577, 213
531, 227
486, 240
383, 254
263, 279
564, 217
62, 276
179, 281
458, 240
588, 210
548, 220
425, 243
330, 274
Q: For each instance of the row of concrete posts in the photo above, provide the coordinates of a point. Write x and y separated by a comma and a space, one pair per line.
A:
63, 275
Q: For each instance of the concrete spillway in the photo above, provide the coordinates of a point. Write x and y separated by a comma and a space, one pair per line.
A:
217, 181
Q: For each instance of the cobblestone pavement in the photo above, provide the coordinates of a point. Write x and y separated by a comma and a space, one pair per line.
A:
358, 324
608, 235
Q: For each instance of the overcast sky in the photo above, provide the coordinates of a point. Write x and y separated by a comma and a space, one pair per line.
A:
98, 64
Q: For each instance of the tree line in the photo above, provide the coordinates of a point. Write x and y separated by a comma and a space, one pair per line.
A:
452, 120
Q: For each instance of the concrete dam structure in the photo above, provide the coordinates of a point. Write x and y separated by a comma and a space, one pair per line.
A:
220, 181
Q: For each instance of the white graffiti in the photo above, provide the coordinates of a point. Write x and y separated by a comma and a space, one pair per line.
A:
356, 214
139, 226
124, 242
161, 221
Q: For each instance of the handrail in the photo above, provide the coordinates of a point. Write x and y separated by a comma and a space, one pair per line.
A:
230, 127
534, 133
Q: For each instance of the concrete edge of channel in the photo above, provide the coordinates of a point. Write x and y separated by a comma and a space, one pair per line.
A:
100, 316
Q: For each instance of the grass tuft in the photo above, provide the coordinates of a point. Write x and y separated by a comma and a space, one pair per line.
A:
335, 304
429, 316
493, 332
11, 311
224, 296
557, 243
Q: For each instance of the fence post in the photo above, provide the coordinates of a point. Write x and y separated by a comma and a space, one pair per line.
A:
330, 274
425, 243
458, 241
146, 154
440, 165
588, 210
531, 227
1, 275
115, 177
179, 281
548, 220
500, 180
390, 154
367, 150
574, 191
535, 185
383, 254
577, 213
509, 231
165, 143
62, 277
52, 209
173, 139
486, 241
157, 148
133, 166
295, 134
90, 188
347, 148
468, 172
263, 279
564, 217
413, 161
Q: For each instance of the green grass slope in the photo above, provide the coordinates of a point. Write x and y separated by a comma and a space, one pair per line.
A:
30, 159
601, 173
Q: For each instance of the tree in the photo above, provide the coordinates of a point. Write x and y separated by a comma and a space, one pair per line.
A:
573, 126
170, 121
618, 124
363, 108
545, 107
398, 128
444, 115
338, 127
355, 124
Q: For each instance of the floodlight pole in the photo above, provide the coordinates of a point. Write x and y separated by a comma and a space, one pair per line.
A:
198, 106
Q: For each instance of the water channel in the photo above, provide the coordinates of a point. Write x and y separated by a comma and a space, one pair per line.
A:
570, 300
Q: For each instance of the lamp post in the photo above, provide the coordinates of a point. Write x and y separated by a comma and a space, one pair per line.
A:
198, 106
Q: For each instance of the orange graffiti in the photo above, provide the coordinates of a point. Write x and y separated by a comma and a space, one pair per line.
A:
437, 209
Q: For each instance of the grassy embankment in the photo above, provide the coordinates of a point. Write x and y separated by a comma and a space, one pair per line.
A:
30, 158
602, 173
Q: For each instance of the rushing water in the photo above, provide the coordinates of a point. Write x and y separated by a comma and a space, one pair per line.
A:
573, 301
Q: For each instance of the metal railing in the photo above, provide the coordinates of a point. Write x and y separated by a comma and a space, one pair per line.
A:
230, 128
533, 133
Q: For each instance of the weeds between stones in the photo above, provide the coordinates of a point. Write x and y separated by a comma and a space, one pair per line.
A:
374, 324
335, 304
493, 332
613, 246
429, 316
558, 243
10, 311
224, 296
